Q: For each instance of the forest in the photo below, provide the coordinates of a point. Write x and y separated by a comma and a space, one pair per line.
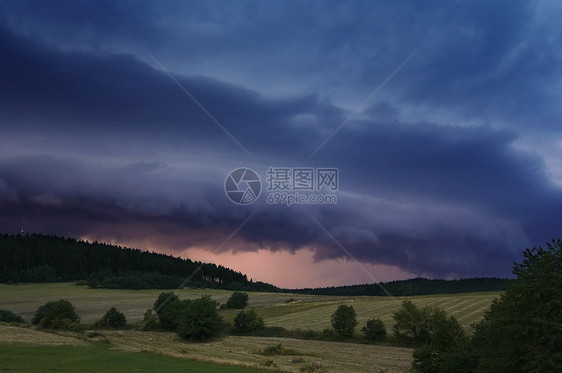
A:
48, 258
415, 286
43, 258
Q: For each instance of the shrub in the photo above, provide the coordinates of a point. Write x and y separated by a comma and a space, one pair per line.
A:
56, 315
344, 321
200, 319
269, 363
169, 309
278, 349
447, 333
62, 324
314, 366
237, 300
414, 326
271, 331
95, 334
150, 320
310, 334
329, 334
247, 322
9, 316
374, 330
112, 319
522, 330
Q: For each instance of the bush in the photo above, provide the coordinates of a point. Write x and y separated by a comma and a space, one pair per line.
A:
63, 324
432, 357
522, 331
374, 330
269, 363
9, 316
169, 309
97, 336
200, 319
314, 366
150, 320
329, 334
415, 326
56, 315
112, 319
271, 331
237, 300
278, 349
248, 322
344, 321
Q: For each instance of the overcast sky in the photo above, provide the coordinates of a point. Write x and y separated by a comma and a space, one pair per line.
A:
443, 119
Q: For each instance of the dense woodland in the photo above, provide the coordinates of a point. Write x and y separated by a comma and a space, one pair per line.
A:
41, 258
415, 286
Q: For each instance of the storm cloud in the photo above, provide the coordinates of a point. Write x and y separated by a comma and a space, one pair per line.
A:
449, 171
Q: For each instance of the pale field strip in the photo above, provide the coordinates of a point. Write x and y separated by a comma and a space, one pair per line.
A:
336, 357
232, 350
468, 309
26, 336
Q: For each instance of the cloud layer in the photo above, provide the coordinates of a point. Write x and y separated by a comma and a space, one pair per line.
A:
450, 171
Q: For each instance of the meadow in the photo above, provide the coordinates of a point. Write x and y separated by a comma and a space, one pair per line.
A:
291, 311
96, 357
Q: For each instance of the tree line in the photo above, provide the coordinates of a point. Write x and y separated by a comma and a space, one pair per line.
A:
414, 286
49, 258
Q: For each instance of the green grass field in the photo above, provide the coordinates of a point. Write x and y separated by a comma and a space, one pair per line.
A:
97, 357
304, 312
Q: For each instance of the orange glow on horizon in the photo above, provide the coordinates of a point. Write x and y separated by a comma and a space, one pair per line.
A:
298, 270
281, 268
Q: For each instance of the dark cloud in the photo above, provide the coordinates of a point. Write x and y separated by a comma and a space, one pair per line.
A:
119, 97
97, 142
481, 61
474, 166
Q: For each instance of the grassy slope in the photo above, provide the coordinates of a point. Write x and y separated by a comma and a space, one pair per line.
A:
307, 311
17, 345
467, 308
